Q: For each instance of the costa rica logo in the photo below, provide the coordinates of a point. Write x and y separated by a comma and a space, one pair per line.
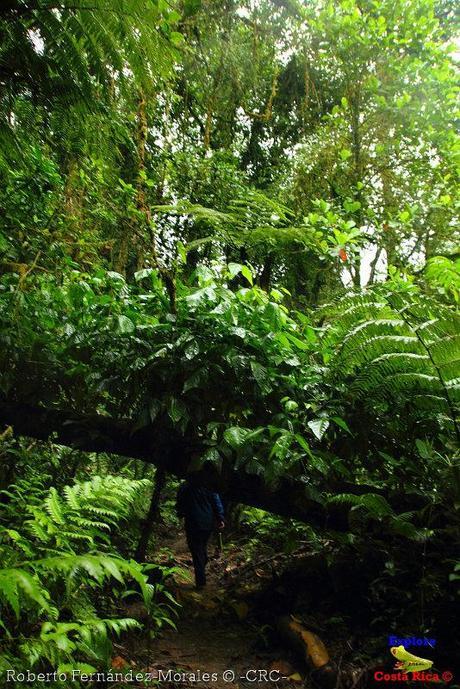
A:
412, 668
407, 662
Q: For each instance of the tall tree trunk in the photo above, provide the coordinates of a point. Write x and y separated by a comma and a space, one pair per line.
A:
141, 201
356, 272
373, 266
121, 252
146, 235
266, 274
212, 101
136, 232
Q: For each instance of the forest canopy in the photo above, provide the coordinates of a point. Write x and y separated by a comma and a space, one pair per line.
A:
228, 234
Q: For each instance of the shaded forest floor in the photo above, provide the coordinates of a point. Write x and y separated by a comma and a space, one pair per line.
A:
216, 628
227, 626
231, 625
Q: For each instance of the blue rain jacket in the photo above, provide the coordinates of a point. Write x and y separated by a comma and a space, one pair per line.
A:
200, 507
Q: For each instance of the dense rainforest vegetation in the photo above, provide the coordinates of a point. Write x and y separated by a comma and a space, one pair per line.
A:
228, 233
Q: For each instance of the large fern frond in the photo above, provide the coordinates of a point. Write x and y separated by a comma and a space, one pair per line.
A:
399, 347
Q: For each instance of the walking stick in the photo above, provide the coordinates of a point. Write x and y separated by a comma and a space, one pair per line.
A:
219, 546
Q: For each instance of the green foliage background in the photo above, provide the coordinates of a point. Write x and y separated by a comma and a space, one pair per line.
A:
236, 222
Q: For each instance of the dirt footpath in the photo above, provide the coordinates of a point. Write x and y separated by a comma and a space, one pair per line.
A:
216, 645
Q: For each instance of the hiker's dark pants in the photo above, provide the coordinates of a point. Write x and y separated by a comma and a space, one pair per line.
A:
197, 540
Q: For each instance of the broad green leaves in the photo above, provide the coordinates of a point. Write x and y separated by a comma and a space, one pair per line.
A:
228, 356
318, 427
236, 436
235, 269
443, 275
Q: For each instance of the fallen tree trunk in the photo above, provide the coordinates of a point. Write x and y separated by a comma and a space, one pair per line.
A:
158, 444
311, 649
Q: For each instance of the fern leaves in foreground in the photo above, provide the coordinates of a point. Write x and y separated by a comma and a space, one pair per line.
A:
53, 567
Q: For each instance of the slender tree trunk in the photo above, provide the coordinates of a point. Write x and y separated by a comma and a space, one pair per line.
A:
318, 284
141, 201
427, 245
136, 231
208, 125
211, 103
373, 265
146, 232
356, 273
355, 105
152, 515
72, 204
120, 259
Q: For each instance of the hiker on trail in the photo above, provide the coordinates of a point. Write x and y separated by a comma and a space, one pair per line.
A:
203, 511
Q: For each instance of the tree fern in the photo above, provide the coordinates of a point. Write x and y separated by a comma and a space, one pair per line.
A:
401, 347
86, 41
77, 52
253, 220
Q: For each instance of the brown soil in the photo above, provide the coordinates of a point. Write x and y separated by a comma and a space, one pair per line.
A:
215, 633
